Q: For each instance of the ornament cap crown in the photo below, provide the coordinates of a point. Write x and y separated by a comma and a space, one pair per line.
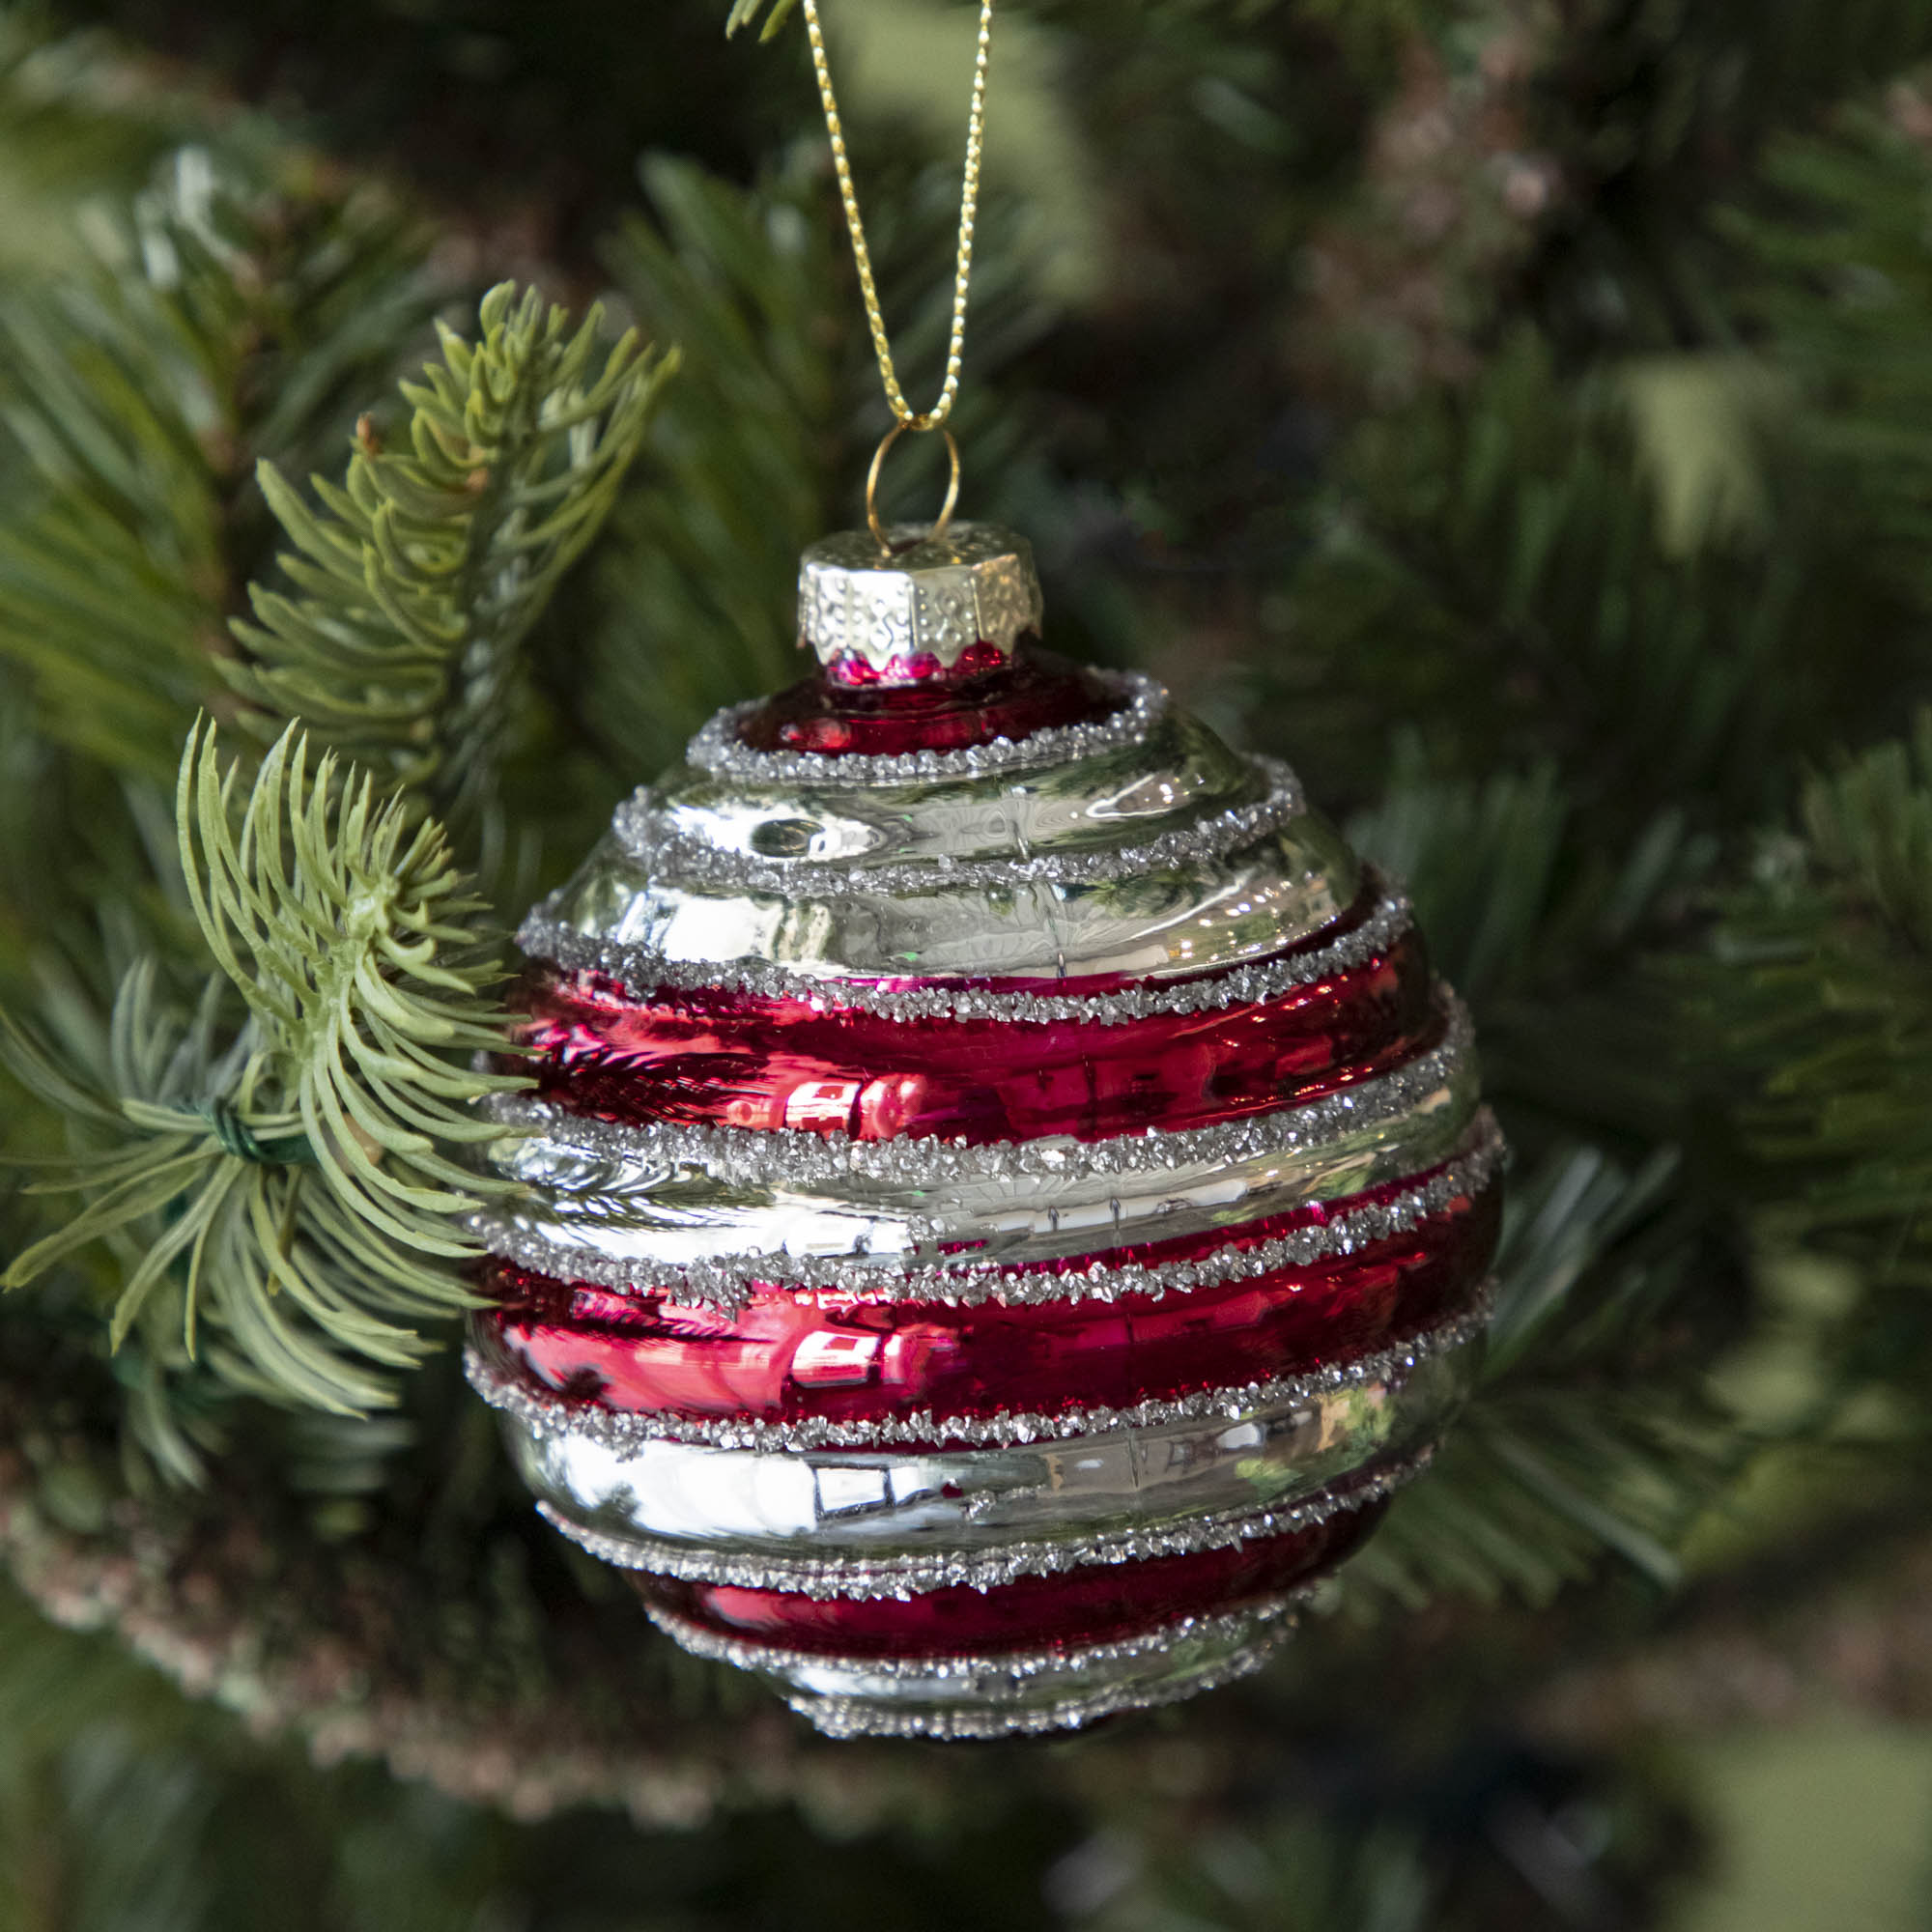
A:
916, 610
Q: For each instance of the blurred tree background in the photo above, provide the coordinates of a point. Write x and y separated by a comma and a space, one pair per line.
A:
1516, 412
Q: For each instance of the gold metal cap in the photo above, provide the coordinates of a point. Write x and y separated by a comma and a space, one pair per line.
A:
928, 597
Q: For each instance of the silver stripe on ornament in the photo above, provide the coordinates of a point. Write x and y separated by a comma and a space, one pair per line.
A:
860, 1578
1010, 1672
1002, 1694
1478, 1162
719, 750
858, 1717
716, 1245
1177, 787
643, 973
1201, 918
541, 1413
907, 1507
655, 838
1200, 921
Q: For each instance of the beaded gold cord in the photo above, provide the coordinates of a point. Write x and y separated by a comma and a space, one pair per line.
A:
904, 415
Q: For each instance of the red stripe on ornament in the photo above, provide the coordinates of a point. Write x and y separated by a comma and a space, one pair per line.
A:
853, 710
831, 1358
720, 1058
1102, 1604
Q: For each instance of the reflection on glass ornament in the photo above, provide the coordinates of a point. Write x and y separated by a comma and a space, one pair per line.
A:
1005, 1201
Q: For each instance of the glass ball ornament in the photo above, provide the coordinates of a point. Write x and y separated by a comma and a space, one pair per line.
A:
1005, 1201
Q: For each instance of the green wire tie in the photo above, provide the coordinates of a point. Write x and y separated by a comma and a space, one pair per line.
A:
232, 1135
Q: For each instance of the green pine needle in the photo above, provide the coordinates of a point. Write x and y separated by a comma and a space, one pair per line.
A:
415, 580
745, 12
295, 1194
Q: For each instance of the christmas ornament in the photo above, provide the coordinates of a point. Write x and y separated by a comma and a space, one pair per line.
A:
1004, 1202
1007, 1201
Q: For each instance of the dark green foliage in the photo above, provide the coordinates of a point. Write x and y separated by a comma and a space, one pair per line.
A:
694, 593
1508, 568
1839, 280
1816, 1000
231, 317
1590, 1431
1653, 110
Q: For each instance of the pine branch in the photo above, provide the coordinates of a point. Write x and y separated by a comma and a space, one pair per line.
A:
1591, 1433
1510, 905
291, 1193
1493, 564
1817, 1002
1290, 1868
1839, 283
283, 1203
416, 581
228, 316
1651, 113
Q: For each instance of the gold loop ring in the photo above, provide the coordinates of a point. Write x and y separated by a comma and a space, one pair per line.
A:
945, 517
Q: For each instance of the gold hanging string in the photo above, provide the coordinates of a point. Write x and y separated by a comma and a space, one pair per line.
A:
905, 417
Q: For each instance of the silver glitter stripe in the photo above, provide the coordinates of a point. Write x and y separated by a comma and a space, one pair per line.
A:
1014, 1668
718, 750
798, 1158
724, 1284
893, 1505
620, 1430
642, 971
678, 859
865, 1577
860, 1718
